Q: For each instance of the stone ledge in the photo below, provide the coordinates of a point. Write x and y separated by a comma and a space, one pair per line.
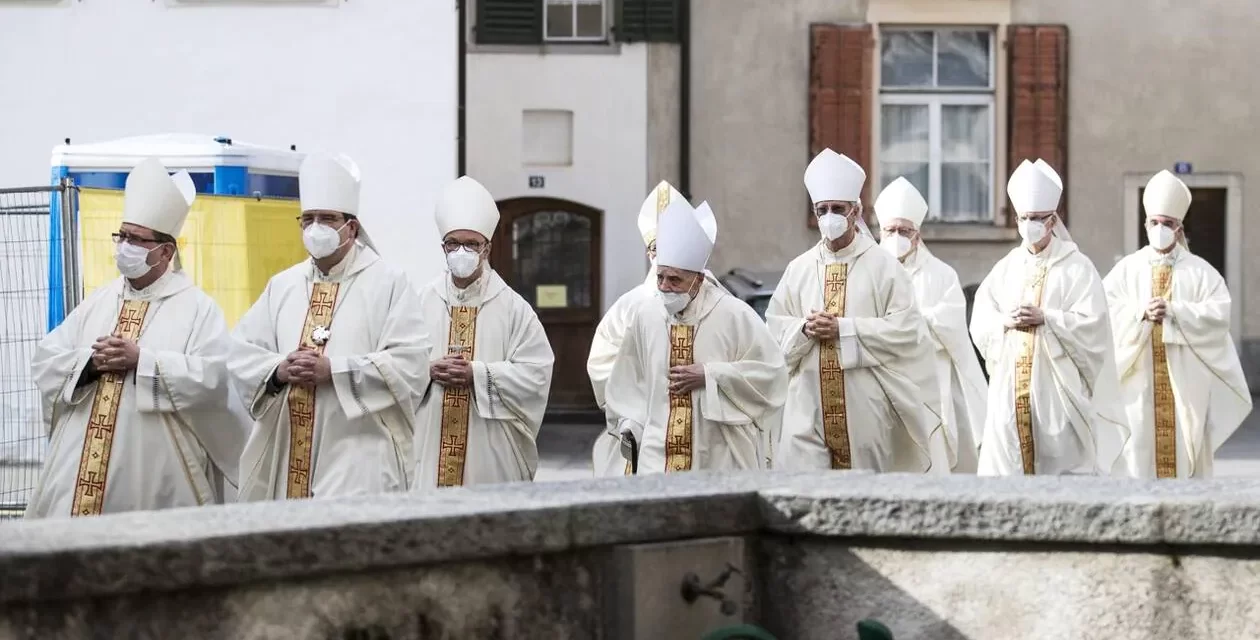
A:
260, 542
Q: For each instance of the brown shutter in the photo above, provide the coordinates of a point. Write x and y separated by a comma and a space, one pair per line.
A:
840, 79
1038, 109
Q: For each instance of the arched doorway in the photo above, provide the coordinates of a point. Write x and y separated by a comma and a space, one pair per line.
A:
549, 251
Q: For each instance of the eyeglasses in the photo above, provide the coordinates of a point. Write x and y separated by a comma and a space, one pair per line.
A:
840, 208
130, 238
327, 219
474, 246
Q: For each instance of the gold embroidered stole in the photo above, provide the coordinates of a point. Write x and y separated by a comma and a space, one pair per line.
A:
1165, 403
456, 404
1023, 374
98, 438
319, 313
835, 413
679, 433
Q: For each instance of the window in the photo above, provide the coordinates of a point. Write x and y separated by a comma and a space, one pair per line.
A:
574, 20
936, 118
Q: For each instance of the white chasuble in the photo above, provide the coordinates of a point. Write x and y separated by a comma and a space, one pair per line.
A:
487, 433
353, 434
963, 390
1053, 404
167, 434
1181, 380
868, 400
716, 426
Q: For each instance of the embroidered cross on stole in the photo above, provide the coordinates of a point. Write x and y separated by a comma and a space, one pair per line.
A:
98, 438
679, 433
835, 413
319, 313
1027, 337
1165, 403
456, 404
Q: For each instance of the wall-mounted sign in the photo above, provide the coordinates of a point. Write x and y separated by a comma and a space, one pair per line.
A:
1182, 168
551, 296
537, 182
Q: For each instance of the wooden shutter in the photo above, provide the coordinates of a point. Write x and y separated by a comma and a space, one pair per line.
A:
1038, 92
509, 22
840, 86
648, 20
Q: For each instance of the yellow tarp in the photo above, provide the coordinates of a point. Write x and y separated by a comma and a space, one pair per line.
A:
230, 246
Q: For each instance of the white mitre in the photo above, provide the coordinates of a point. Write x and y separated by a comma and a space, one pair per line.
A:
329, 183
832, 176
466, 204
156, 200
683, 242
1166, 195
900, 200
651, 209
708, 221
1054, 175
1032, 189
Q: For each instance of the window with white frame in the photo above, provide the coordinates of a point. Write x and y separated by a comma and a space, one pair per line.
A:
574, 20
936, 118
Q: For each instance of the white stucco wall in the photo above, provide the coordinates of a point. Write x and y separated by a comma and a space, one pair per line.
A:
607, 94
376, 80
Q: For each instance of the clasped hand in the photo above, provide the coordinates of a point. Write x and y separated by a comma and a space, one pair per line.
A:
452, 371
305, 368
1156, 310
822, 326
111, 354
1026, 315
686, 378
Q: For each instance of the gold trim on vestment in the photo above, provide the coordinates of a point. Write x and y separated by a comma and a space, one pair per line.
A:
662, 202
678, 433
456, 404
98, 438
1165, 403
319, 313
1023, 375
835, 413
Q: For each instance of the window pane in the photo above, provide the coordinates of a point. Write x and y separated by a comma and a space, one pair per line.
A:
965, 133
590, 18
559, 18
965, 191
915, 172
906, 59
963, 59
904, 130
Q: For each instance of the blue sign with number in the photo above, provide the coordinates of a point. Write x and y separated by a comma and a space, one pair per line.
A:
1182, 168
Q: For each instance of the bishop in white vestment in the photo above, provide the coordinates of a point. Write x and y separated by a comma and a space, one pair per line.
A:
479, 418
1040, 321
1181, 380
900, 209
697, 369
606, 453
134, 383
333, 357
863, 390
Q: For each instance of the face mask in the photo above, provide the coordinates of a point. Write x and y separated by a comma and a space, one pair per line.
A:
132, 261
1032, 231
896, 244
833, 225
674, 302
462, 262
1161, 237
322, 241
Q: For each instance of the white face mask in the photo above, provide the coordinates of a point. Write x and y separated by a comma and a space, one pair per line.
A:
1161, 237
322, 241
896, 244
833, 225
674, 302
463, 262
1032, 231
132, 261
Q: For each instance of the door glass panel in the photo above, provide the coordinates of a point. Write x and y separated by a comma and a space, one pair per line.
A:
551, 254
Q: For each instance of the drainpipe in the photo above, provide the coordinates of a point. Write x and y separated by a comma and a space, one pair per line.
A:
461, 84
684, 97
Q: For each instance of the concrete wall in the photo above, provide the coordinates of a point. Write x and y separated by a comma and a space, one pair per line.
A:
931, 557
375, 80
607, 91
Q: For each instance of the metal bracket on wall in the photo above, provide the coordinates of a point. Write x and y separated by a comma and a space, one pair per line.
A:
680, 590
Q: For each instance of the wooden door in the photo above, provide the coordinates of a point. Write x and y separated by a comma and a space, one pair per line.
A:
1205, 225
549, 251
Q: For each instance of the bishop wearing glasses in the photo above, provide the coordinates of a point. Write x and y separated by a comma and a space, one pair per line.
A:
134, 384
333, 357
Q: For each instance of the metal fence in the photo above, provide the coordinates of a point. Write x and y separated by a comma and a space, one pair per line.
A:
25, 216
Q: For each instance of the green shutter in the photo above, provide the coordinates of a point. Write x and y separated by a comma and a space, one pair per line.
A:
509, 22
648, 20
